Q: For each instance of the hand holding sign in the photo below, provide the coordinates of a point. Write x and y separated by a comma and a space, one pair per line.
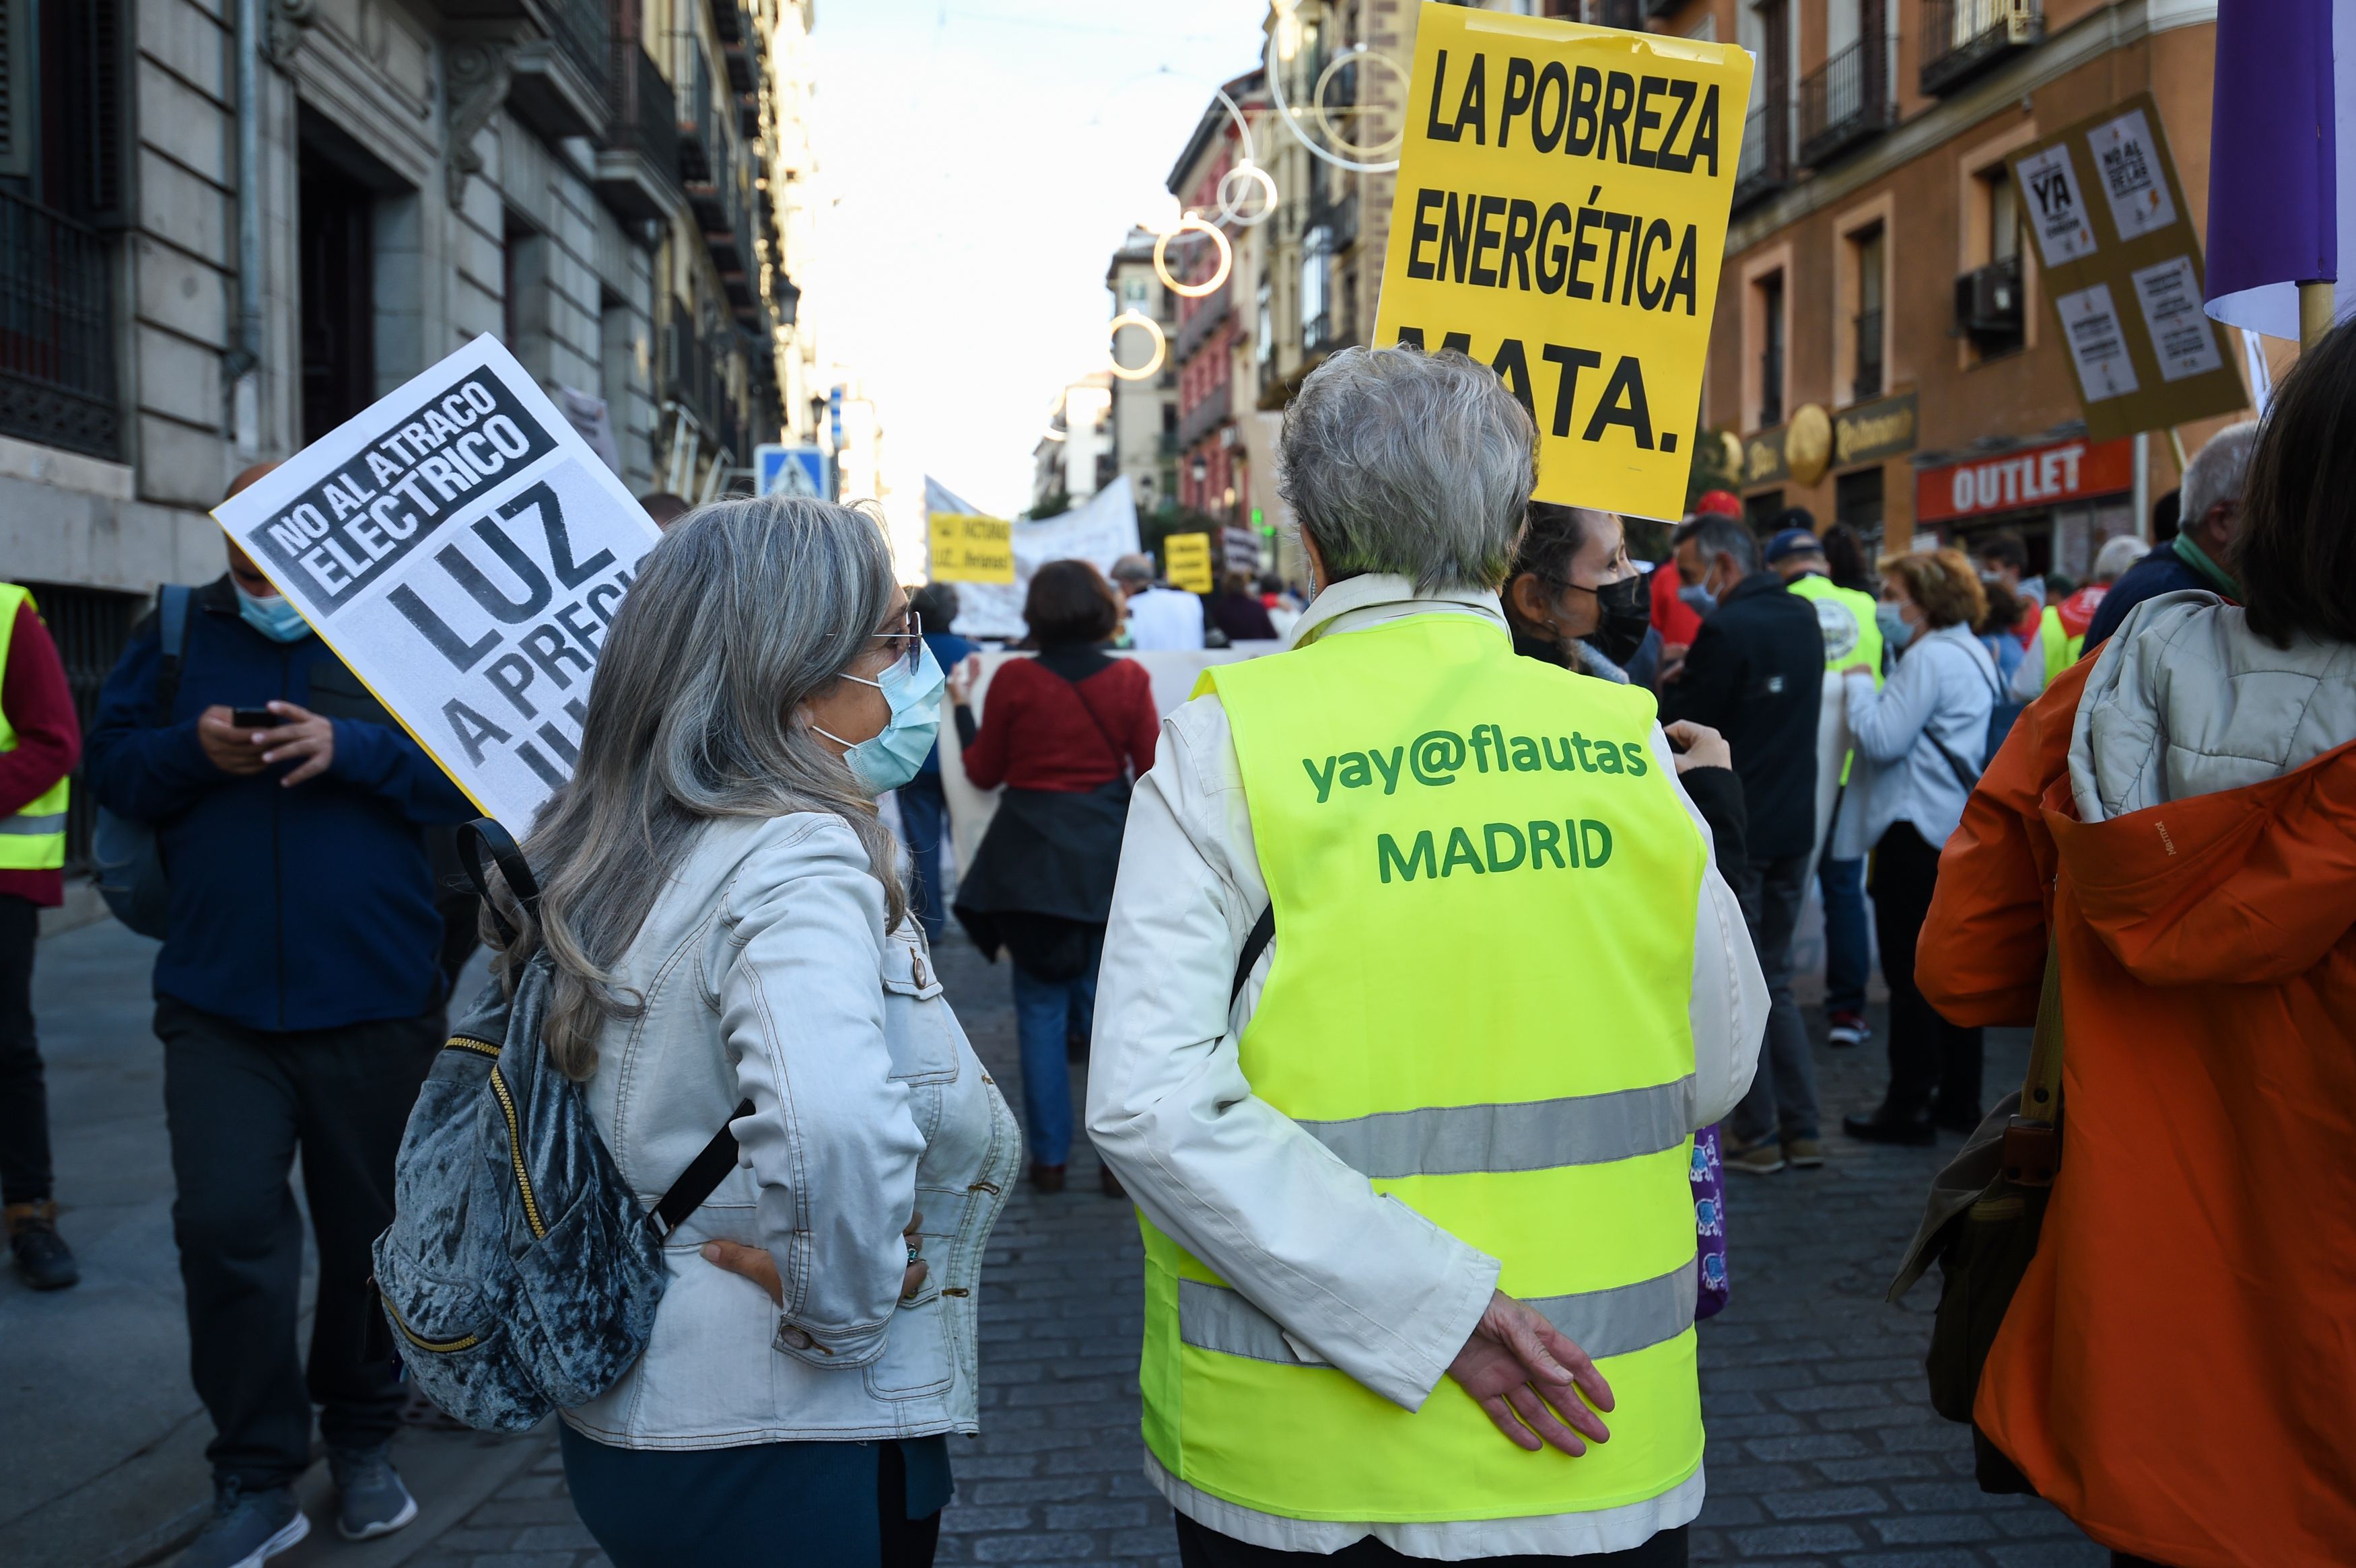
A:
1560, 217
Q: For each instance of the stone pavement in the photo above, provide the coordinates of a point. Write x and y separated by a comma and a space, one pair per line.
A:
1823, 1449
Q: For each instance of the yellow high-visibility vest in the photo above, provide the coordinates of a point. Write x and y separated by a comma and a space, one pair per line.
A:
2061, 649
1852, 636
34, 839
1485, 889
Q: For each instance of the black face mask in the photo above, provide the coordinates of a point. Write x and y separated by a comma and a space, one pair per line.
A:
1626, 611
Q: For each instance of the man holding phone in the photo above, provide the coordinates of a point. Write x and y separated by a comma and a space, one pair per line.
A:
300, 1004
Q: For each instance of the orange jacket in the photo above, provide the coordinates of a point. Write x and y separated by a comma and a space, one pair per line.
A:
2178, 1371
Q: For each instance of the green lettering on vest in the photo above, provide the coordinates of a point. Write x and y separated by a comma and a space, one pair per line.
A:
1546, 839
1459, 849
1512, 833
1595, 838
1387, 855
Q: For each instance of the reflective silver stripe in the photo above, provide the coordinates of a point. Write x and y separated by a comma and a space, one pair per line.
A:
34, 827
1628, 1317
1212, 1318
1614, 1322
1533, 1135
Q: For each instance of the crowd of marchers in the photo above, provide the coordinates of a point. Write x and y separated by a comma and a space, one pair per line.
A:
1354, 1116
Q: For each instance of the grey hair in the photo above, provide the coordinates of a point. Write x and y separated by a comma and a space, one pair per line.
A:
2218, 472
745, 609
2119, 552
1132, 569
1419, 465
1714, 535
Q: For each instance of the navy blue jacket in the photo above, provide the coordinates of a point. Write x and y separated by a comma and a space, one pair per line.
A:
1756, 674
949, 650
2161, 572
291, 909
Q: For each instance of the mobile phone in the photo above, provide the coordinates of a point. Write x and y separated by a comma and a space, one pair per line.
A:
254, 718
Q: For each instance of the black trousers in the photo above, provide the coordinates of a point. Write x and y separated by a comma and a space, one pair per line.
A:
24, 1093
1931, 1060
240, 1106
1200, 1547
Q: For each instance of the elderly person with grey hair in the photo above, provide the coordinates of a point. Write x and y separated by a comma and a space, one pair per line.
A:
733, 944
1160, 618
1418, 983
2195, 558
2062, 629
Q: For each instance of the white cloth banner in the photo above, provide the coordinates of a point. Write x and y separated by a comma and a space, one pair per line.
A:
463, 549
1101, 529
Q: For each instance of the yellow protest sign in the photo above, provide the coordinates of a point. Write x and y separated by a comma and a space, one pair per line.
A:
968, 548
1190, 561
1560, 217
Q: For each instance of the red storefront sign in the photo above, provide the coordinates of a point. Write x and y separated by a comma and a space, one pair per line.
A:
2045, 476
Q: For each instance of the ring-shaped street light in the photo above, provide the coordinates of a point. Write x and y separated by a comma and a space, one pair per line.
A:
1291, 117
1161, 345
1231, 206
1194, 222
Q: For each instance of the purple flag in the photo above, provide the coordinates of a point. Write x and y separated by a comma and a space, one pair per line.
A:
2282, 169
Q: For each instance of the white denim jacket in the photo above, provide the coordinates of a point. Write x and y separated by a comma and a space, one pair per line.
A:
767, 976
1383, 1293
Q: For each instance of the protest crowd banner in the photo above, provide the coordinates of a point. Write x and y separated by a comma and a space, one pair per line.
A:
2124, 273
1560, 217
1100, 530
966, 547
463, 549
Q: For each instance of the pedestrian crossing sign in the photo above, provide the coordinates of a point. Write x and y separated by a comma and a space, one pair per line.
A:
790, 471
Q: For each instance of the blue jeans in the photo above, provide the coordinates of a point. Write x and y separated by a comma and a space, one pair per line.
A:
1846, 957
924, 816
1046, 1012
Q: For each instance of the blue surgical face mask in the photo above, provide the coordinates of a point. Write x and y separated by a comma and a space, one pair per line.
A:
274, 617
1894, 626
1697, 599
892, 757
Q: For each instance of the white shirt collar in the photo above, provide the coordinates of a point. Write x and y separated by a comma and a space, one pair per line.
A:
1372, 598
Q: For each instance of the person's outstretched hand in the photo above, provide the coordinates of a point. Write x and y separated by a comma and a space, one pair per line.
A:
1529, 1377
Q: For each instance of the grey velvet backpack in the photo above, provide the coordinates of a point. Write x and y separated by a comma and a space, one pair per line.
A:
520, 1272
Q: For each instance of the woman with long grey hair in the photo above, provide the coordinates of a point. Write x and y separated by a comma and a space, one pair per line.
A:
727, 923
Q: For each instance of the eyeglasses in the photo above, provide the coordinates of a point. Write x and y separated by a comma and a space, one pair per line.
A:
912, 632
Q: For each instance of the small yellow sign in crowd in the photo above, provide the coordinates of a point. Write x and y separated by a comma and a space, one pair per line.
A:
1560, 217
1190, 561
969, 548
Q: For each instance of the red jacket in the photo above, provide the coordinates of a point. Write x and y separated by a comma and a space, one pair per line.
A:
1037, 731
1672, 616
2178, 1371
39, 706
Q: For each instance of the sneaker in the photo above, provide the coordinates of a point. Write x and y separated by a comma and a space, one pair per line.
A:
1803, 1154
42, 1256
247, 1529
370, 1499
1764, 1157
1848, 1028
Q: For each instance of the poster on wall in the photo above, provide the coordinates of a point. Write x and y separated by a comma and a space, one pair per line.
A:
463, 549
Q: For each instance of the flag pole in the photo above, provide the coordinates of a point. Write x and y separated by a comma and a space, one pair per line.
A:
2315, 312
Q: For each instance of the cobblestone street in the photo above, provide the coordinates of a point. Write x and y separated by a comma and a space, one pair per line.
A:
1823, 1449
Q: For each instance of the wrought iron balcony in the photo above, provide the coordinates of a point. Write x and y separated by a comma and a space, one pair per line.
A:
1961, 38
1763, 168
1209, 312
57, 331
1846, 100
637, 167
559, 83
1206, 416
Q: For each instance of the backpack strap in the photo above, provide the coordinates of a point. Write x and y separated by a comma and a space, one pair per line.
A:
702, 1177
473, 838
172, 638
1256, 943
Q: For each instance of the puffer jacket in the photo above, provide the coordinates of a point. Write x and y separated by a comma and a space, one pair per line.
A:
767, 976
2177, 1369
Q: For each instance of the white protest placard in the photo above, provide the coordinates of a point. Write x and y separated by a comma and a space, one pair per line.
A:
2131, 174
462, 550
2057, 206
2097, 344
2181, 334
1100, 530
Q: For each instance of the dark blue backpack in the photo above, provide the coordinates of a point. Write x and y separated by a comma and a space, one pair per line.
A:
128, 859
519, 1272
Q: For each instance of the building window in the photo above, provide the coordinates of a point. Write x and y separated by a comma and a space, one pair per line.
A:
336, 294
1867, 247
1856, 503
1264, 332
1771, 350
1316, 307
1990, 308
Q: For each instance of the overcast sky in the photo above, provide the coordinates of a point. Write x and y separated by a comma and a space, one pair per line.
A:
985, 157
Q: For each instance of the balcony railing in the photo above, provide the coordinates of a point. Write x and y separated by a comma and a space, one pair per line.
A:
1868, 381
582, 30
1209, 312
1771, 388
1846, 100
1961, 38
1762, 169
1317, 333
701, 142
57, 331
1205, 417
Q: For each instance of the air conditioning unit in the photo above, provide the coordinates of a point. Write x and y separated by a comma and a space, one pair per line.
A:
1987, 300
